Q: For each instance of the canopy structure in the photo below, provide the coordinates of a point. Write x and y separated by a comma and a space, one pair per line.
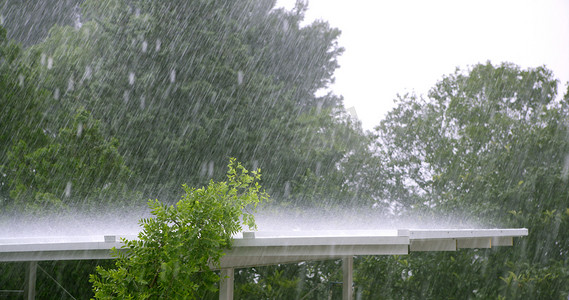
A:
269, 248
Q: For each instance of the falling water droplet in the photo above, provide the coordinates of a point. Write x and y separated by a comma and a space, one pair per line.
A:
196, 108
565, 170
79, 129
142, 102
68, 189
319, 106
352, 112
70, 84
203, 169
285, 25
144, 46
21, 80
88, 72
158, 44
49, 63
77, 17
287, 189
255, 164
56, 94
43, 59
173, 76
126, 96
131, 78
240, 77
210, 169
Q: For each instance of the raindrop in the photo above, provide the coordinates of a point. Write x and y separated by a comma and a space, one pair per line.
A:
137, 12
196, 108
565, 171
255, 164
203, 169
158, 44
351, 112
21, 80
49, 62
88, 72
287, 189
42, 59
210, 169
126, 96
56, 94
173, 76
70, 84
79, 129
285, 25
68, 189
144, 46
142, 102
1, 19
77, 17
185, 130
131, 78
318, 167
319, 106
240, 77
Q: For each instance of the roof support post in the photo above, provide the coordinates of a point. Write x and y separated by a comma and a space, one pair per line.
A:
30, 285
226, 284
348, 280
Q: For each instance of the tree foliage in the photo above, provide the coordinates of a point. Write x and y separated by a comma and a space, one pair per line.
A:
187, 84
176, 249
77, 163
488, 145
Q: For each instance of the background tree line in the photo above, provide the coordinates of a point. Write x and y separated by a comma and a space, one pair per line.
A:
125, 100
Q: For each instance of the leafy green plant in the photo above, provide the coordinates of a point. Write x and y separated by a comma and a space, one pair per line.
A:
177, 248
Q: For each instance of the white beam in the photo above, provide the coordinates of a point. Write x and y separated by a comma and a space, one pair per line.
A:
474, 243
280, 248
503, 241
226, 284
320, 250
348, 277
464, 233
320, 241
433, 245
256, 261
30, 288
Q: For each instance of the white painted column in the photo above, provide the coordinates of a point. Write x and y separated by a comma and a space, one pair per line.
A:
30, 288
348, 280
226, 284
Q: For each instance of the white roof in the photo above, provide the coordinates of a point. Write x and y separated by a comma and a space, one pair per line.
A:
266, 248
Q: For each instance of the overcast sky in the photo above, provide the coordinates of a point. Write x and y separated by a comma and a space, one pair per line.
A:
408, 45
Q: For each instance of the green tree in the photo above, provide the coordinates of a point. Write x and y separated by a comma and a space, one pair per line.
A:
20, 100
28, 22
488, 145
175, 251
187, 84
78, 164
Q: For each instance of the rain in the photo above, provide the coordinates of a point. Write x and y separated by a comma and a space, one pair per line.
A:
264, 149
